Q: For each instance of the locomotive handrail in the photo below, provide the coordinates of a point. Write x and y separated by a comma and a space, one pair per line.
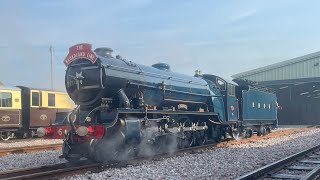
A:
205, 95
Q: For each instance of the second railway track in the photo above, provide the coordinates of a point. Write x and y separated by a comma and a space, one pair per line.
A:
304, 165
50, 171
29, 149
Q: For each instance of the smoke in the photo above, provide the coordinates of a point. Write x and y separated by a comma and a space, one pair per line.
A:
154, 143
118, 148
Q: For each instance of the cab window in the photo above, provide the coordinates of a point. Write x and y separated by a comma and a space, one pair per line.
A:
51, 99
5, 99
35, 99
221, 84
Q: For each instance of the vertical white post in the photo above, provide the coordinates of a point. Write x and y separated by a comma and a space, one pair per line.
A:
51, 62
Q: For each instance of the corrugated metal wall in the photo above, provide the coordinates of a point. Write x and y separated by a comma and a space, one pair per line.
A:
298, 109
297, 84
303, 69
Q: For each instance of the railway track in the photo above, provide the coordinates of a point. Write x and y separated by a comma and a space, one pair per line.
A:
67, 169
30, 149
26, 149
50, 171
303, 165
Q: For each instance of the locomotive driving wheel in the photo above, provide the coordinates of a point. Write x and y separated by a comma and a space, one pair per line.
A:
201, 135
5, 136
201, 138
190, 136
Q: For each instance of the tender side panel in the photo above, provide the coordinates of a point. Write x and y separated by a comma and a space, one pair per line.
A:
258, 105
10, 108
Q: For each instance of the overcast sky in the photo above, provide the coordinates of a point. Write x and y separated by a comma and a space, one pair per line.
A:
217, 37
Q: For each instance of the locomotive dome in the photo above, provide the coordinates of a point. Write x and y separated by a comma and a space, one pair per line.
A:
162, 66
104, 52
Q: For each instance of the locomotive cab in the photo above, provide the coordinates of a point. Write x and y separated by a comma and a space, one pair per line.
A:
227, 90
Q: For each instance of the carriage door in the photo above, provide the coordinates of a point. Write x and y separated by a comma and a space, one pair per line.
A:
232, 103
38, 110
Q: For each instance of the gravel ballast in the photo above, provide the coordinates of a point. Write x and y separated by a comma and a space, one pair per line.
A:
28, 142
217, 163
34, 159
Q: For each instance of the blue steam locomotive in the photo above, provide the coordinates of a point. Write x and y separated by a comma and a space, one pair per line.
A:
125, 108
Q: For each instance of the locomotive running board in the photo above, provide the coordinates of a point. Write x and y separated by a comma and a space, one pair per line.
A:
142, 111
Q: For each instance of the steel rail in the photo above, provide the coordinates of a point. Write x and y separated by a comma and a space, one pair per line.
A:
29, 149
47, 172
271, 170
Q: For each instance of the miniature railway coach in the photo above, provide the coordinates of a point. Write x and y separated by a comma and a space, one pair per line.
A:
23, 110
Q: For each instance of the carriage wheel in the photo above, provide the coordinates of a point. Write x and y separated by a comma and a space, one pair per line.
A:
5, 136
22, 135
33, 134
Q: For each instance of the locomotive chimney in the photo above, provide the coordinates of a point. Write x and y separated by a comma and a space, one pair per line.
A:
198, 73
104, 52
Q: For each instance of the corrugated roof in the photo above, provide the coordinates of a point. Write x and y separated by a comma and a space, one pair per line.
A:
3, 87
277, 65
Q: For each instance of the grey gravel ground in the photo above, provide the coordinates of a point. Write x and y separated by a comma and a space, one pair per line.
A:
34, 159
27, 142
218, 163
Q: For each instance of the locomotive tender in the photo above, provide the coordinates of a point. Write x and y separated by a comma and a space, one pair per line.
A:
124, 107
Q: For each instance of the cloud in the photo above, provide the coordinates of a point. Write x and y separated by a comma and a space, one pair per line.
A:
200, 43
243, 15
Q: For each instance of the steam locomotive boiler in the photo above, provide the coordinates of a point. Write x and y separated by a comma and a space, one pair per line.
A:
126, 108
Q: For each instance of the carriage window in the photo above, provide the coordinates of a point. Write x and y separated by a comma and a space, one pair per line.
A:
269, 106
51, 99
6, 99
221, 84
253, 104
264, 106
35, 99
258, 105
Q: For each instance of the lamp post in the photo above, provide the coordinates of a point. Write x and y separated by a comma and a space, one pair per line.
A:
51, 62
